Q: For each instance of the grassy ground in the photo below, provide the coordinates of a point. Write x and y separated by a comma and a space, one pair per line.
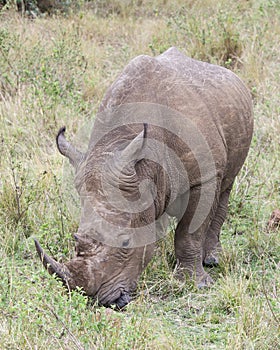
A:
53, 72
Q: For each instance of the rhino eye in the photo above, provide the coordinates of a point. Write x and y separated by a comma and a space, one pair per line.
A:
125, 243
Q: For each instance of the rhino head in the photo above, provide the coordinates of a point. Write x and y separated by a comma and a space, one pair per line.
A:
106, 270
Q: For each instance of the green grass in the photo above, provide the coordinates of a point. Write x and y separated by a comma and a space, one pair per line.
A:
53, 72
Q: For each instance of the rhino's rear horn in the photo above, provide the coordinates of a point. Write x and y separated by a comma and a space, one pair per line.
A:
53, 267
67, 149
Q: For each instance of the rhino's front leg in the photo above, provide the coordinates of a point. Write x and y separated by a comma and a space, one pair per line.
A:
189, 247
189, 254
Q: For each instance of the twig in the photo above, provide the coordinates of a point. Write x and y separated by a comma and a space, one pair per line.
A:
267, 299
10, 65
65, 328
18, 193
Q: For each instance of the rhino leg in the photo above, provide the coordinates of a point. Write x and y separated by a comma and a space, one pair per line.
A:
189, 247
212, 245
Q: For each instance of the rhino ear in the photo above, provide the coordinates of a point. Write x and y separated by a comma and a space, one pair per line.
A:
122, 168
132, 152
67, 149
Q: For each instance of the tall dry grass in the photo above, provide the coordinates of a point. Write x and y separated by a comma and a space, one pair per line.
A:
54, 71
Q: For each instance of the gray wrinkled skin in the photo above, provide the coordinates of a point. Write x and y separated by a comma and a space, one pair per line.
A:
170, 137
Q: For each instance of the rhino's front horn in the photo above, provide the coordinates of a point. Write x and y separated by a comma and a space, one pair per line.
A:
53, 267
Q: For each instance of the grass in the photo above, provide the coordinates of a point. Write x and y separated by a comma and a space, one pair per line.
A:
53, 72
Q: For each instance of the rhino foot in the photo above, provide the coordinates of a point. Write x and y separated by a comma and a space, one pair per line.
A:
200, 279
205, 281
211, 260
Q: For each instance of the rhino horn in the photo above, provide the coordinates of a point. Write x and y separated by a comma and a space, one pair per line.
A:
53, 267
67, 149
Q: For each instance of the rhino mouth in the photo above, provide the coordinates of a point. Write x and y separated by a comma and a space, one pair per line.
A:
122, 301
118, 302
63, 273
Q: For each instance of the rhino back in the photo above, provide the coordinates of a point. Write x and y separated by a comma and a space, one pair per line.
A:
210, 96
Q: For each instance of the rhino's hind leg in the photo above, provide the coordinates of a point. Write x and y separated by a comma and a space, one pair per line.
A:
212, 245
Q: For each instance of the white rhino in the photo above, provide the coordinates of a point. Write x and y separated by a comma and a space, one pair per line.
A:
169, 139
